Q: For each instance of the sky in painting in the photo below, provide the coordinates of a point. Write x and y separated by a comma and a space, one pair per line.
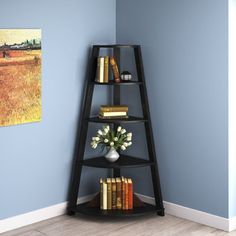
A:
12, 36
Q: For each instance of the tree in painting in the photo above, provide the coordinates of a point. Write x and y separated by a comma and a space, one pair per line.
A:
20, 76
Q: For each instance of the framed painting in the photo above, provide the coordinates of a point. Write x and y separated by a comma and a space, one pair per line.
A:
20, 76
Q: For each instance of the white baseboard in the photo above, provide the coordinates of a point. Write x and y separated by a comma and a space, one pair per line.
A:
37, 216
195, 215
170, 208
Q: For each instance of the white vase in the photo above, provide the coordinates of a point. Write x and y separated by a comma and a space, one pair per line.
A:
112, 155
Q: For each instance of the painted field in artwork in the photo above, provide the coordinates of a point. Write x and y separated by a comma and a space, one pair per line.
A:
20, 76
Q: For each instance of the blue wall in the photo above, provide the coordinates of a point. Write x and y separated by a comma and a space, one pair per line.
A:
185, 58
35, 159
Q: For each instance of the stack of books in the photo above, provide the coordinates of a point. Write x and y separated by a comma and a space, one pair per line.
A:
103, 69
116, 194
109, 112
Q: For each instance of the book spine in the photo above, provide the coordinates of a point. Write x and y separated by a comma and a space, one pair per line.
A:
101, 194
115, 69
118, 194
100, 70
130, 192
113, 113
126, 195
112, 109
106, 69
123, 193
109, 194
104, 188
113, 194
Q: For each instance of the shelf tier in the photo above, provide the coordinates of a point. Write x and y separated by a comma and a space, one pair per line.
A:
118, 84
131, 119
95, 211
123, 162
116, 46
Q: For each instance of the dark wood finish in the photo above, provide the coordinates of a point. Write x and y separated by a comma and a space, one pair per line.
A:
129, 120
124, 161
95, 211
149, 133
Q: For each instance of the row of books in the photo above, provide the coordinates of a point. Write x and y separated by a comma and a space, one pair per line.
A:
116, 193
118, 111
103, 69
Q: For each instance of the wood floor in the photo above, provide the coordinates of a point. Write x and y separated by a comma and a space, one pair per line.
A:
144, 226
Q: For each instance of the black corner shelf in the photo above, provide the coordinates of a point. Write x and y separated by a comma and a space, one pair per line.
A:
136, 211
130, 119
123, 83
123, 162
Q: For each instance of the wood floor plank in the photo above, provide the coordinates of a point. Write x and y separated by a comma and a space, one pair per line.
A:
140, 226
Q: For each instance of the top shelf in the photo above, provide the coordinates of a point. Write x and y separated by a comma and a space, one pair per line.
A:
116, 46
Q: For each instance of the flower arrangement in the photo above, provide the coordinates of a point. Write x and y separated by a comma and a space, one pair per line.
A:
107, 137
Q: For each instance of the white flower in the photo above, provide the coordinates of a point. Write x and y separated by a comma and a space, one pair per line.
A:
108, 127
99, 132
106, 130
129, 139
130, 143
129, 135
104, 133
125, 144
111, 144
94, 145
105, 140
115, 139
123, 131
119, 129
94, 138
123, 147
97, 138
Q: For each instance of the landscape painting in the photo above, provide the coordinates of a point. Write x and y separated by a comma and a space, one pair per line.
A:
20, 76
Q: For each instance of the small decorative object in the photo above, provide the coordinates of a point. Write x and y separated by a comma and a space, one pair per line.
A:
126, 76
112, 140
115, 70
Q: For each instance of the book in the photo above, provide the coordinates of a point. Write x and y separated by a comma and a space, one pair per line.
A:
123, 192
118, 108
115, 69
100, 70
109, 194
126, 195
104, 195
130, 194
113, 113
106, 69
101, 194
118, 194
113, 193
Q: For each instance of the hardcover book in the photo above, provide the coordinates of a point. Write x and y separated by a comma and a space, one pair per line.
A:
104, 196
130, 193
122, 108
115, 69
113, 193
100, 70
118, 194
106, 69
126, 195
101, 194
113, 113
109, 194
123, 192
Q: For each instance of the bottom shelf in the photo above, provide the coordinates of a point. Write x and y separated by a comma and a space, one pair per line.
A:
85, 209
